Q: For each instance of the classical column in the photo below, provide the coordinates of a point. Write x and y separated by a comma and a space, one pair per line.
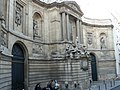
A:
0, 29
64, 26
68, 25
1, 7
78, 29
81, 33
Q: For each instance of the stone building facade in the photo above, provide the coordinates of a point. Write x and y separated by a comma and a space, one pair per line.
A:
98, 37
40, 42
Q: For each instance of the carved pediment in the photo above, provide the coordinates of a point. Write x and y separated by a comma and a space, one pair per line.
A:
73, 5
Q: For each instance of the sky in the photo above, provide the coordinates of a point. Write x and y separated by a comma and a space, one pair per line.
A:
100, 9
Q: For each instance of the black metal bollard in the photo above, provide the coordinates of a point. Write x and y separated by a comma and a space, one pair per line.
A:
99, 87
114, 82
111, 83
105, 84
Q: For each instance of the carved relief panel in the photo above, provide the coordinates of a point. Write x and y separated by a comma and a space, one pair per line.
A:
90, 39
37, 50
19, 16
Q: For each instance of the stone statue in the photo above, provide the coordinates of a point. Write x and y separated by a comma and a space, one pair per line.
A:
76, 41
89, 39
102, 42
35, 28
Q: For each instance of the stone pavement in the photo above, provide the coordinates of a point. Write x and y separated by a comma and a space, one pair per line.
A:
72, 89
100, 85
104, 85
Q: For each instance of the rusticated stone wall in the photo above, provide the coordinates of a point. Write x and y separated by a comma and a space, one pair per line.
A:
5, 72
62, 70
57, 24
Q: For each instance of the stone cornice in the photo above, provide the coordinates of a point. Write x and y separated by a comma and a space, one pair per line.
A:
75, 5
59, 5
96, 22
95, 25
21, 36
90, 50
65, 5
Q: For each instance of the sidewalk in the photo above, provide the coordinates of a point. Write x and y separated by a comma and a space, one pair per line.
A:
104, 85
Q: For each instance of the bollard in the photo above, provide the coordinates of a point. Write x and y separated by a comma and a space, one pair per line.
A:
104, 81
99, 87
105, 86
111, 83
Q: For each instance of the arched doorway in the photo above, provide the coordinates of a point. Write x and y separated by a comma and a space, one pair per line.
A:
17, 67
94, 68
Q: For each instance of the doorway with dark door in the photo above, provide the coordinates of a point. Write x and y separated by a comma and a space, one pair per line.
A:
17, 67
94, 67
